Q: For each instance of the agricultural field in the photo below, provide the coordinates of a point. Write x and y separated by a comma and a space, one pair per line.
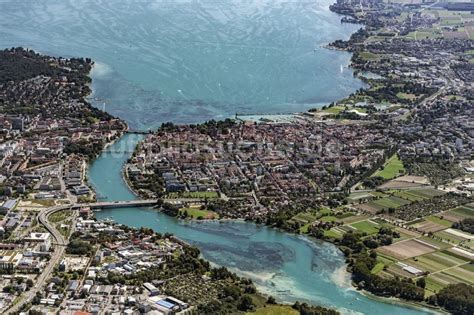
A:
453, 275
402, 183
324, 211
307, 218
437, 244
385, 203
417, 194
427, 192
407, 249
448, 237
457, 214
397, 270
304, 217
391, 169
448, 215
459, 253
354, 218
345, 215
428, 33
378, 194
333, 233
412, 195
452, 24
444, 255
358, 195
405, 234
328, 218
385, 259
438, 220
377, 268
344, 229
433, 286
443, 265
435, 262
408, 195
454, 236
391, 202
460, 274
463, 212
367, 226
469, 244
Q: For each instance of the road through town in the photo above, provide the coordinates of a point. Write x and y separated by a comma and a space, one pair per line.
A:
59, 245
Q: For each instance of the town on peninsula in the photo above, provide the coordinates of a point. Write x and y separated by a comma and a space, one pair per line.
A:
385, 175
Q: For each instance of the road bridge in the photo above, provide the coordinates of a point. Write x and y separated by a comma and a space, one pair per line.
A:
138, 132
119, 204
135, 203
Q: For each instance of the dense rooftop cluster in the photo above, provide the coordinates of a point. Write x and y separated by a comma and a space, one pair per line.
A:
386, 174
362, 172
44, 117
262, 165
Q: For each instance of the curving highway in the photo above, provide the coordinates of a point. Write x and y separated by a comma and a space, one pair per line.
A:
59, 247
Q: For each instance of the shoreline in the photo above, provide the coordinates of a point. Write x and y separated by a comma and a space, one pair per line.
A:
401, 302
344, 284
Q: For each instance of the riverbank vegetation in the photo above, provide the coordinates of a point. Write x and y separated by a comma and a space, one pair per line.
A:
365, 239
22, 67
362, 259
179, 271
456, 298
362, 172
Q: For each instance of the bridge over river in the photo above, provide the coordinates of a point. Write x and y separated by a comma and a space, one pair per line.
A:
135, 203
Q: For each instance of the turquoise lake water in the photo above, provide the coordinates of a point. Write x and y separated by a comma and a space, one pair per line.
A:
189, 61
286, 266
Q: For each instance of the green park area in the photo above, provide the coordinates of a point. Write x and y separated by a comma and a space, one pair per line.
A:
196, 194
197, 213
369, 56
391, 169
59, 216
334, 109
275, 310
366, 226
